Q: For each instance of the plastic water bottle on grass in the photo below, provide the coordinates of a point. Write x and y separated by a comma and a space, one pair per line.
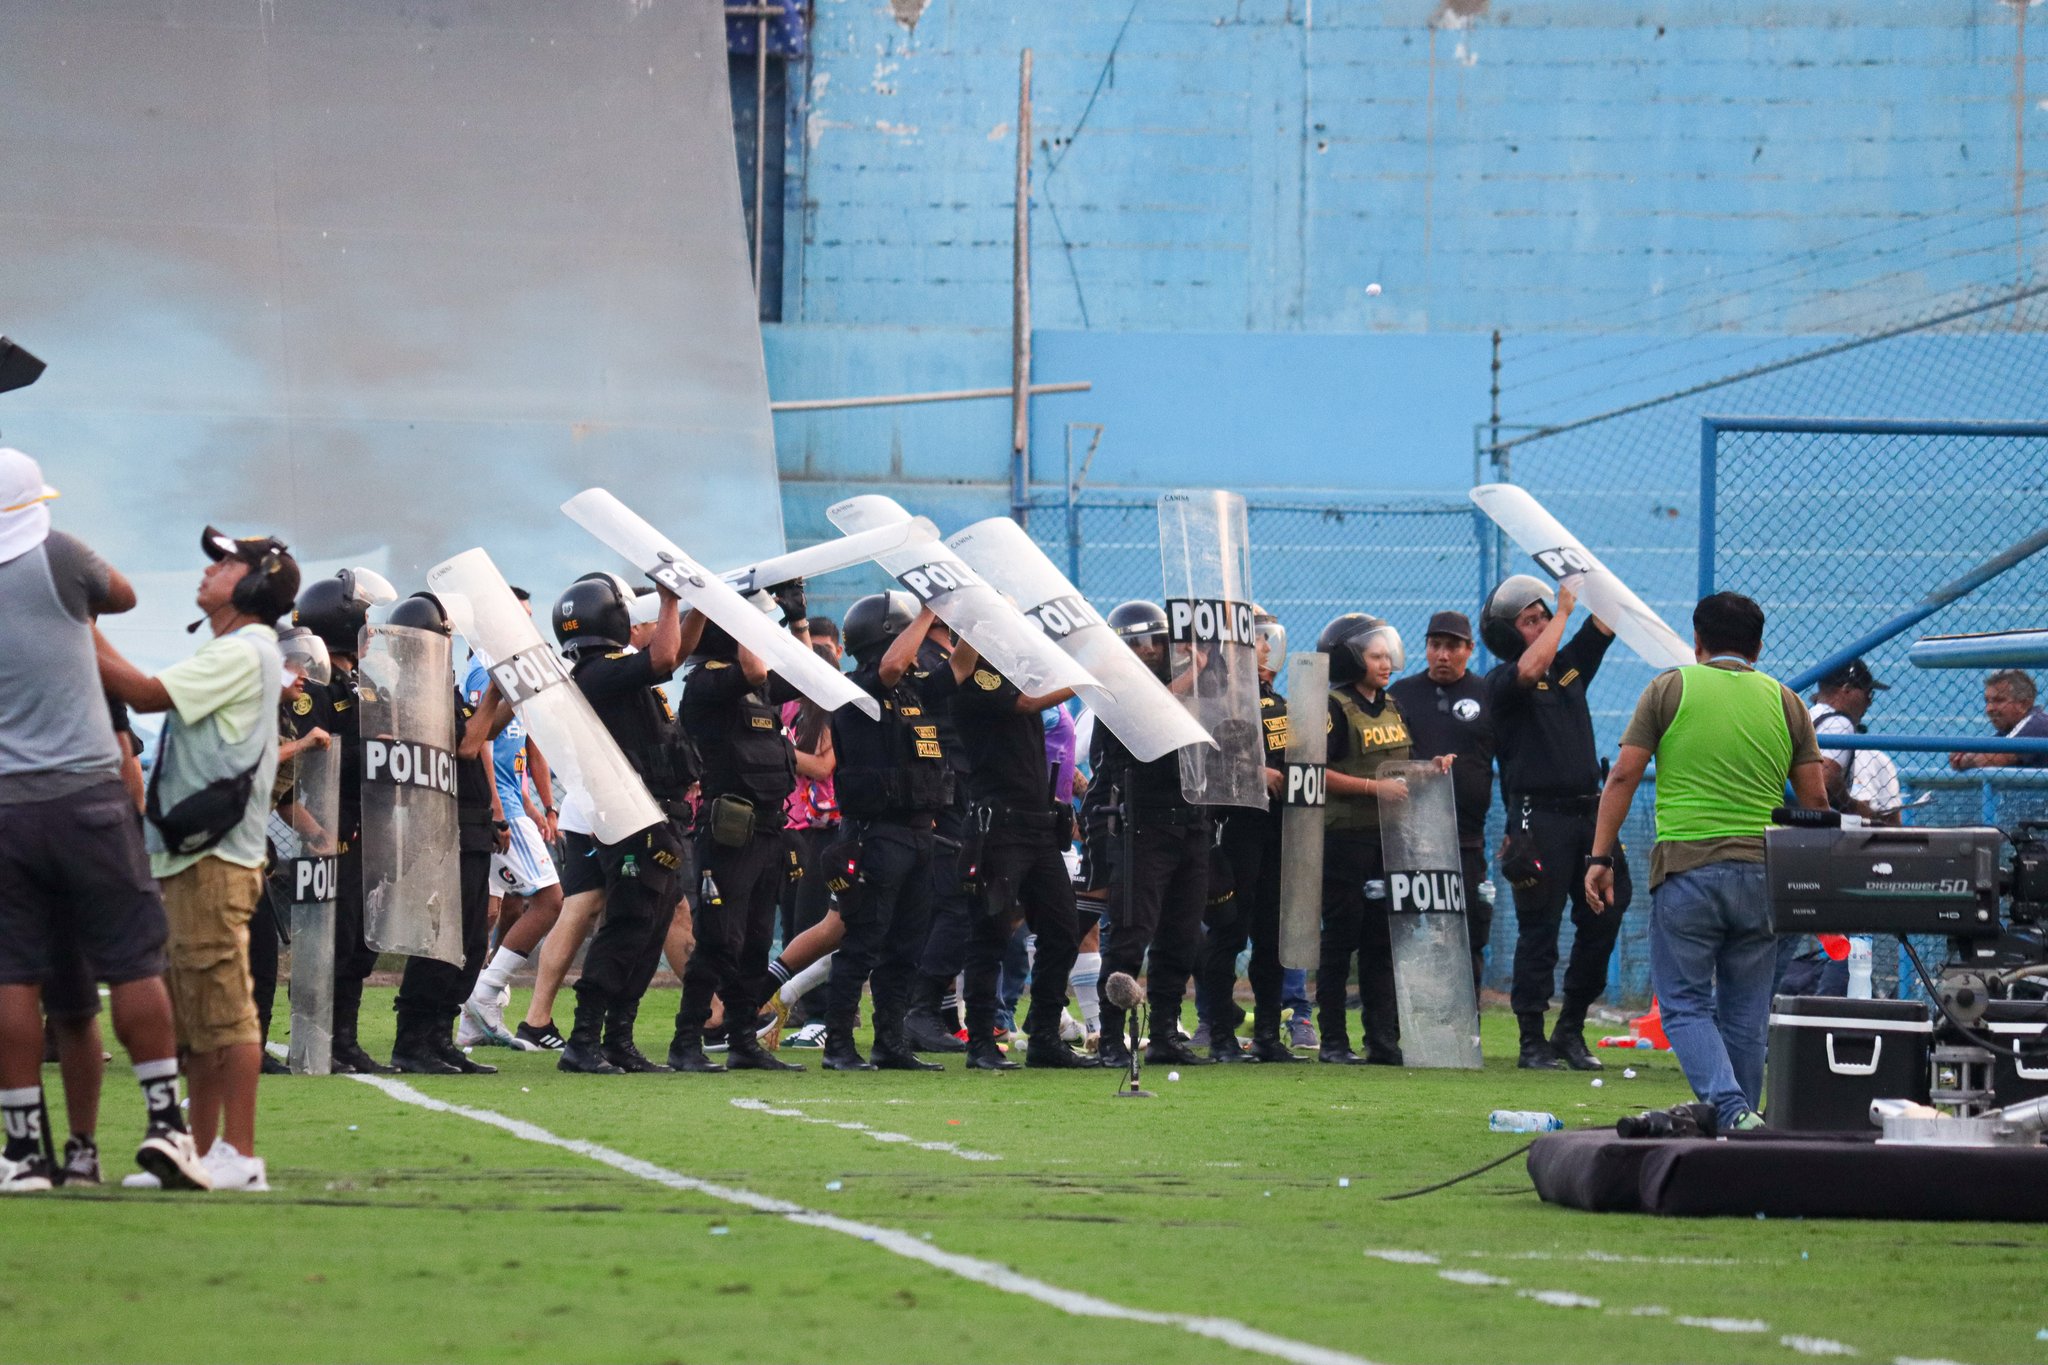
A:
1859, 967
1523, 1121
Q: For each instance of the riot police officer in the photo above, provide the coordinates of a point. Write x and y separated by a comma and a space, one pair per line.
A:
1366, 730
431, 992
932, 1025
1249, 842
1015, 855
1158, 859
891, 782
643, 872
335, 609
1550, 777
732, 711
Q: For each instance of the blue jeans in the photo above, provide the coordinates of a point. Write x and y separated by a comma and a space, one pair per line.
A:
1712, 960
1294, 991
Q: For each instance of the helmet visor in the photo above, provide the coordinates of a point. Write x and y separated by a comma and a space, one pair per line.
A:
1272, 639
369, 587
1380, 641
305, 658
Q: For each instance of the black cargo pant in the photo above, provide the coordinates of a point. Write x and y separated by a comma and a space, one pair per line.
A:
1251, 915
1561, 840
886, 911
354, 959
1024, 877
1355, 921
432, 991
953, 909
739, 889
641, 886
1155, 905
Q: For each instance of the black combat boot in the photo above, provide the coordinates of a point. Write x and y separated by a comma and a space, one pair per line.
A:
1568, 1039
584, 1051
1114, 1048
1537, 1053
1168, 1049
743, 1052
348, 1057
413, 1052
440, 1035
1267, 1044
840, 1052
923, 1028
1223, 1044
619, 1048
1045, 1048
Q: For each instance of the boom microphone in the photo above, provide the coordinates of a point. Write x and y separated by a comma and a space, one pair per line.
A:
1123, 992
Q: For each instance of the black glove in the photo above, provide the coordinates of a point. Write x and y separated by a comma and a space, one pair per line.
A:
790, 597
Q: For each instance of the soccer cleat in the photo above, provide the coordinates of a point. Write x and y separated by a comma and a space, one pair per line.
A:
1300, 1032
81, 1163
231, 1170
30, 1175
546, 1038
810, 1035
770, 1035
483, 1021
168, 1154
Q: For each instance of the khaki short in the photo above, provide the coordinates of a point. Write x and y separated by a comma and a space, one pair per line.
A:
208, 906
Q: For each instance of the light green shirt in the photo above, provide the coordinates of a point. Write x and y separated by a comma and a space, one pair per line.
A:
223, 720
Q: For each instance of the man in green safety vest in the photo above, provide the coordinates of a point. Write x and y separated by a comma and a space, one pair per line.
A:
1726, 739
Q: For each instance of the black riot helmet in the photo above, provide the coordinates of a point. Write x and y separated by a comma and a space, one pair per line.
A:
1508, 601
874, 621
1138, 621
1349, 638
594, 613
335, 608
421, 611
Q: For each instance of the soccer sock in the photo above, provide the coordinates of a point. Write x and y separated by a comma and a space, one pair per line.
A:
498, 974
22, 1115
778, 972
1087, 972
159, 1080
808, 980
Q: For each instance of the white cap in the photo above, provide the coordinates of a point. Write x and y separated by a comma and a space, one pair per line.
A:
24, 504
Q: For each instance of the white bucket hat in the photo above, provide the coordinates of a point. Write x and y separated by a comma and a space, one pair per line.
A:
24, 504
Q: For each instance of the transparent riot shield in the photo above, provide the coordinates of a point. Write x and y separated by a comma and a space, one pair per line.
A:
532, 677
412, 894
1135, 705
654, 554
1303, 797
313, 821
940, 579
1566, 559
1205, 555
1426, 912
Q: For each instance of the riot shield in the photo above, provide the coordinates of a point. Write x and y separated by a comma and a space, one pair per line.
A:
412, 893
532, 677
940, 579
1426, 913
314, 824
1560, 554
655, 555
1303, 796
827, 556
1135, 705
1205, 553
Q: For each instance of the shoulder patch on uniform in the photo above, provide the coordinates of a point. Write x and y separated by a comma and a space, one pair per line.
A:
717, 663
1266, 703
302, 705
987, 681
1571, 675
618, 653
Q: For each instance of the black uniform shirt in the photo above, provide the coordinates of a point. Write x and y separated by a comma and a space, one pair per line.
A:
741, 756
1005, 747
1151, 787
1243, 822
473, 784
336, 710
1454, 719
935, 681
1545, 732
623, 688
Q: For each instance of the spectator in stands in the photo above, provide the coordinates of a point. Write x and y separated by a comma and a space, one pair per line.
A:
1861, 783
2009, 706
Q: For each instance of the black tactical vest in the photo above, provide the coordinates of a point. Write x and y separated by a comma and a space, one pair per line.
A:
892, 767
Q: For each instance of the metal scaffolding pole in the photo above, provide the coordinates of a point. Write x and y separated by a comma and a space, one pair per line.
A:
1020, 312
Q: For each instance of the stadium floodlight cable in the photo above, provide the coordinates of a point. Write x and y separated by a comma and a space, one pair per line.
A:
1810, 259
1788, 305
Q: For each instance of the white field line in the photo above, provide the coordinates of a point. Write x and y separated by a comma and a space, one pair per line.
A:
782, 1112
971, 1268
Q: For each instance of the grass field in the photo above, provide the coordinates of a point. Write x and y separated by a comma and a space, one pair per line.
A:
397, 1233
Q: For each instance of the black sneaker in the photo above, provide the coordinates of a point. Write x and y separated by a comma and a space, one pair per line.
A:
30, 1175
543, 1039
81, 1163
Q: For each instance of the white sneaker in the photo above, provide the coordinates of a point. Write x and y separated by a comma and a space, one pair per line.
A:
233, 1171
141, 1180
168, 1154
504, 998
467, 1034
484, 1017
31, 1176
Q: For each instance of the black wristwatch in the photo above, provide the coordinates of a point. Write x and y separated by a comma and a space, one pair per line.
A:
1600, 860
500, 825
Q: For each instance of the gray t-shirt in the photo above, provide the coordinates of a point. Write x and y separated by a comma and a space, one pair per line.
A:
55, 735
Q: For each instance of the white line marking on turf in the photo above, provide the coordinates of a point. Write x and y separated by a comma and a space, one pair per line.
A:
1472, 1277
949, 1148
971, 1268
1726, 1324
1816, 1346
1558, 1298
1399, 1257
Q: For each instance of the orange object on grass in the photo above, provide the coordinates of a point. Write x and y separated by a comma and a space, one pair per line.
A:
1651, 1026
